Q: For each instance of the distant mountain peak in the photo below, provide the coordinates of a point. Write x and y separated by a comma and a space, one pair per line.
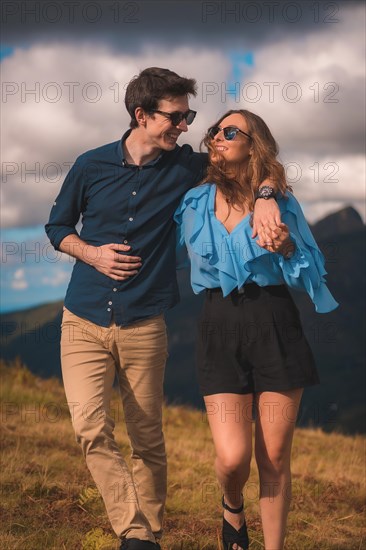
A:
348, 212
347, 220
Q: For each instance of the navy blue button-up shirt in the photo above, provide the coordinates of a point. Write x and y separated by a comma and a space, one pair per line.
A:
125, 204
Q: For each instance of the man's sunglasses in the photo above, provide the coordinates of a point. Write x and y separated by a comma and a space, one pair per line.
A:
176, 117
230, 132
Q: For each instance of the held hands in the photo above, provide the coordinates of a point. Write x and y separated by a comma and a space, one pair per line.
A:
266, 213
276, 238
107, 260
273, 235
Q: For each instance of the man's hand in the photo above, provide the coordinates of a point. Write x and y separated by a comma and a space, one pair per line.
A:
107, 260
276, 239
266, 214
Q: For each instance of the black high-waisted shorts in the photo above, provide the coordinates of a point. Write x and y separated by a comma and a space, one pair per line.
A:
252, 341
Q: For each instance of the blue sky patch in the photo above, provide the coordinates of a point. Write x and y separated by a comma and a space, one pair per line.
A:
20, 234
32, 271
240, 61
6, 51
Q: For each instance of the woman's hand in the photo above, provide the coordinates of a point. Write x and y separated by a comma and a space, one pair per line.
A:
266, 214
276, 238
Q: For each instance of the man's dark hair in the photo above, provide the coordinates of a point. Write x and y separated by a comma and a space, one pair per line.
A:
152, 85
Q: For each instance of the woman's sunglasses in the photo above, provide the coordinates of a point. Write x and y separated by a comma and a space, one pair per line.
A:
230, 132
176, 117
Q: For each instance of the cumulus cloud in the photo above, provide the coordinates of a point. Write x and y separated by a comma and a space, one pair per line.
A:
19, 281
58, 278
318, 88
45, 136
63, 98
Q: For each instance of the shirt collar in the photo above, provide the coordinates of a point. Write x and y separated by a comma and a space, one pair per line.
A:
121, 152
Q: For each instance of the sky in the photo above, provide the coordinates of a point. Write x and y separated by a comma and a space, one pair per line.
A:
64, 69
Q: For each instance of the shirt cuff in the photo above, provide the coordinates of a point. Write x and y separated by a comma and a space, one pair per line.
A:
60, 235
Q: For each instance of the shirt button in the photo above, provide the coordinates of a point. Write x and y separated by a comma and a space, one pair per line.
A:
134, 192
125, 241
54, 204
114, 290
108, 309
130, 219
110, 303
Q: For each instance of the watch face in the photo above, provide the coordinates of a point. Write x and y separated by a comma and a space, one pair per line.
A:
265, 191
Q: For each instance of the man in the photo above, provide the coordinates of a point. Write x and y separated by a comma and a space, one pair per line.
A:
123, 281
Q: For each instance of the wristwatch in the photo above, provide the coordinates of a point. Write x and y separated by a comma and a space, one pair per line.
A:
265, 192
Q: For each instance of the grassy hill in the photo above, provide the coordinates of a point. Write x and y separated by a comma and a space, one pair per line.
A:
49, 500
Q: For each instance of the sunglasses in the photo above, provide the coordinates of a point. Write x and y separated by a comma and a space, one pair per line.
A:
230, 132
176, 117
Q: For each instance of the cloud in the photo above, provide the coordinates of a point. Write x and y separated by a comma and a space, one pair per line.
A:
45, 136
130, 26
58, 278
63, 98
19, 282
318, 85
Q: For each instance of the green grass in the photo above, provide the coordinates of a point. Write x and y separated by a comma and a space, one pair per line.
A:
49, 501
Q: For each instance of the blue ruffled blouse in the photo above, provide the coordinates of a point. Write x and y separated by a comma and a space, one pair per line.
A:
230, 260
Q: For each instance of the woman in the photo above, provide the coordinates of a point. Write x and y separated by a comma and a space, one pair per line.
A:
251, 349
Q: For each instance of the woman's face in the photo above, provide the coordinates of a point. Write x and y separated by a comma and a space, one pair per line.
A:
237, 150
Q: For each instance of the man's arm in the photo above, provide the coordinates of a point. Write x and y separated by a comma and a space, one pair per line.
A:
105, 259
61, 230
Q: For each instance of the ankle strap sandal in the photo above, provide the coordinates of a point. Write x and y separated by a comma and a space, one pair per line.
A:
230, 535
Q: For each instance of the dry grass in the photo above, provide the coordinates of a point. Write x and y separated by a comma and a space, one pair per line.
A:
48, 501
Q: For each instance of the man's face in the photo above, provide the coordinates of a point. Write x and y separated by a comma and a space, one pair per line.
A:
159, 129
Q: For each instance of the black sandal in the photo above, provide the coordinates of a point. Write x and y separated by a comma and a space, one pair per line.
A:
230, 535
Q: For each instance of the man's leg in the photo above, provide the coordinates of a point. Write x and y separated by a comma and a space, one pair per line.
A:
88, 370
142, 350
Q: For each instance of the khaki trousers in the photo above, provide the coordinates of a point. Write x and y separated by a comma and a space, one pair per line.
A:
91, 355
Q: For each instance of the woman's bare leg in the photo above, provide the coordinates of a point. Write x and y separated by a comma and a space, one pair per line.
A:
274, 429
230, 419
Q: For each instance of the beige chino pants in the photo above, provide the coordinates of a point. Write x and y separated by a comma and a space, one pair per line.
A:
90, 357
